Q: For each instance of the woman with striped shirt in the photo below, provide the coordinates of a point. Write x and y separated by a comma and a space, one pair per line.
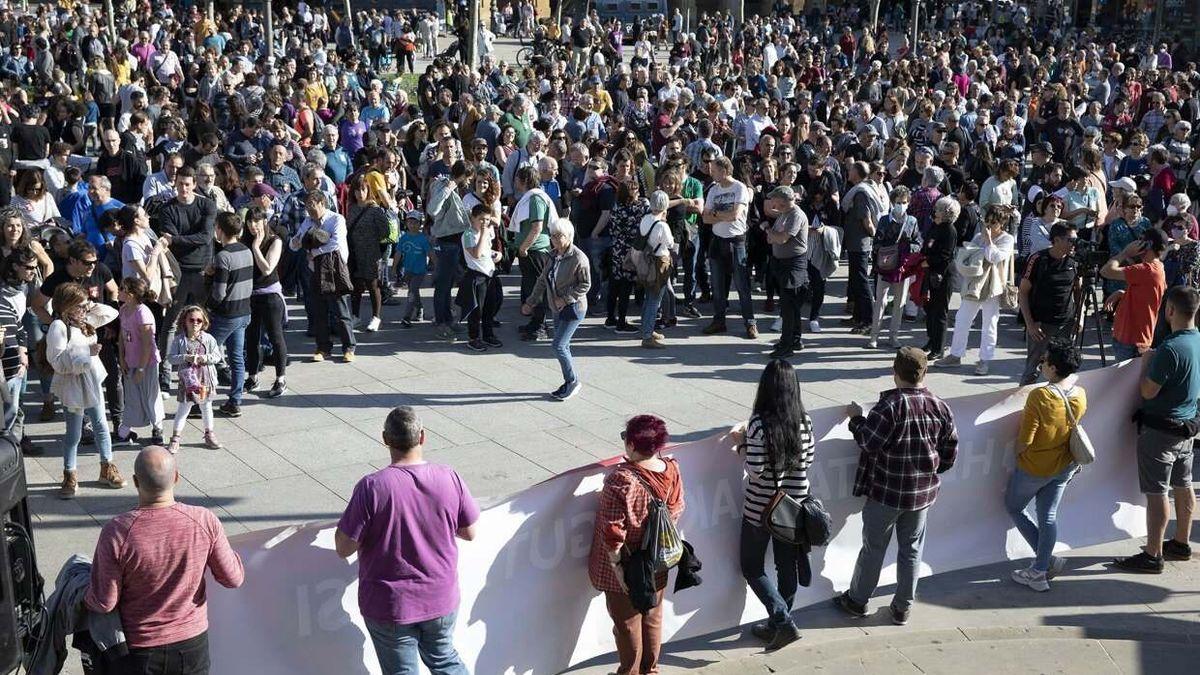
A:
778, 446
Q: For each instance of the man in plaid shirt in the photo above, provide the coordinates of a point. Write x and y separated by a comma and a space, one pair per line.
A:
907, 439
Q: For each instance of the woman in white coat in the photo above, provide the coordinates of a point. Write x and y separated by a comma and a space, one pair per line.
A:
73, 352
983, 293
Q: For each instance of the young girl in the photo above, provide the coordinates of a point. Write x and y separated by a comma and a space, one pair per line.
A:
73, 353
139, 362
195, 354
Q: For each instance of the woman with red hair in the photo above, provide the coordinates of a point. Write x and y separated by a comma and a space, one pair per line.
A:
620, 520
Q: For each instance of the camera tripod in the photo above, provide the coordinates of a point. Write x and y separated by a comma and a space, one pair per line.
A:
1086, 307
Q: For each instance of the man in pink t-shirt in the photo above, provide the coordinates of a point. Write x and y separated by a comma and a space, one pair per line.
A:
402, 521
149, 566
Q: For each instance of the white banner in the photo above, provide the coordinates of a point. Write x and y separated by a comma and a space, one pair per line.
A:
527, 605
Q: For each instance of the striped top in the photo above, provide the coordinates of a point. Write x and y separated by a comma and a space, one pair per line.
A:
233, 281
765, 479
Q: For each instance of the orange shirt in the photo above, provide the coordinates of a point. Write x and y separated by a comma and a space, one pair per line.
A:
1138, 311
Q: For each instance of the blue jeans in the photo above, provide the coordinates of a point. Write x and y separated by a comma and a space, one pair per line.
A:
727, 258
449, 257
230, 333
879, 522
650, 305
16, 387
565, 324
1123, 352
1048, 492
595, 247
397, 646
777, 599
75, 430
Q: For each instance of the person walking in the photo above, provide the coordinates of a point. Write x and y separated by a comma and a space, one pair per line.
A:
777, 444
620, 522
1170, 392
983, 293
408, 516
1044, 462
150, 566
564, 285
908, 440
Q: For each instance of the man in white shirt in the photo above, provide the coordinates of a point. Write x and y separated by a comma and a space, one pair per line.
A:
725, 209
752, 126
333, 229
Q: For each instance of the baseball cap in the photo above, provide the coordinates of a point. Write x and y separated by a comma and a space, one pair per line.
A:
415, 214
1125, 183
1042, 147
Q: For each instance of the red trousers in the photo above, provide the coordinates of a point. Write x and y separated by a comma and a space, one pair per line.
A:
638, 636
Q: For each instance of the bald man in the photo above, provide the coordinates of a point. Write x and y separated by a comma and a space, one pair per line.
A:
149, 565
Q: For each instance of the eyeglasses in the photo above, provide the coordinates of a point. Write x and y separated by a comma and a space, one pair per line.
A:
90, 263
31, 268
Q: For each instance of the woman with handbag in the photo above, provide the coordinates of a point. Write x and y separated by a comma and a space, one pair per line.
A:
620, 522
985, 292
323, 236
1045, 463
777, 444
897, 237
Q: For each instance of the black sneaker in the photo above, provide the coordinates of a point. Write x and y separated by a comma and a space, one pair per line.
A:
492, 342
781, 352
405, 323
784, 636
610, 324
1142, 563
29, 449
625, 328
844, 603
156, 437
899, 616
230, 409
1173, 550
690, 311
128, 440
251, 384
763, 631
277, 388
476, 346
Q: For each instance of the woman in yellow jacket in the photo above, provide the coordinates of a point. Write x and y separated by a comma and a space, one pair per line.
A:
1044, 462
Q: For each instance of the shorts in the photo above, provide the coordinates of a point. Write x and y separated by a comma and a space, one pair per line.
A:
1164, 461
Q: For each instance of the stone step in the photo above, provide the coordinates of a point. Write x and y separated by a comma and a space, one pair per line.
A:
1021, 649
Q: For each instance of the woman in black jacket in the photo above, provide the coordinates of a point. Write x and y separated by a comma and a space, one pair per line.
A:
366, 226
939, 248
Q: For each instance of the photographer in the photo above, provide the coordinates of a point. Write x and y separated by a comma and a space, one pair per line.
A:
1140, 266
1048, 296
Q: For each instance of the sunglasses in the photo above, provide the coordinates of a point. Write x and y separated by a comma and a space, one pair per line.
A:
196, 320
90, 263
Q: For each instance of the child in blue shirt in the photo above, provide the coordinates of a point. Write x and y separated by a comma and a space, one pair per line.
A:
415, 255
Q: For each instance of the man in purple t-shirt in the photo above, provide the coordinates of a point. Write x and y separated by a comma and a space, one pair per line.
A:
402, 521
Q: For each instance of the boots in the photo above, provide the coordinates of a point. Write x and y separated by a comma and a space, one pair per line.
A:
69, 484
110, 477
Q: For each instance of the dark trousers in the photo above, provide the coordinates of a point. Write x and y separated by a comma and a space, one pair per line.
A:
701, 269
777, 598
449, 266
730, 266
486, 291
788, 276
533, 265
322, 305
267, 312
858, 288
617, 302
937, 307
816, 292
189, 657
114, 393
691, 259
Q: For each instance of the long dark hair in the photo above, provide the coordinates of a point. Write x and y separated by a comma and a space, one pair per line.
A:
781, 412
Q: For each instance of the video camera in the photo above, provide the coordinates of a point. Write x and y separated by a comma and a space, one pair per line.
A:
20, 583
1089, 256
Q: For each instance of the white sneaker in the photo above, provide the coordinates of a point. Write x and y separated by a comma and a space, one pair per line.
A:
1031, 578
777, 326
981, 368
814, 326
373, 325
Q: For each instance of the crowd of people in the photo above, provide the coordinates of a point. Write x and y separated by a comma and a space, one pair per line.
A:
166, 189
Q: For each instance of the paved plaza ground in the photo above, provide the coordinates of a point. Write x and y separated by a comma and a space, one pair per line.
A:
297, 458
